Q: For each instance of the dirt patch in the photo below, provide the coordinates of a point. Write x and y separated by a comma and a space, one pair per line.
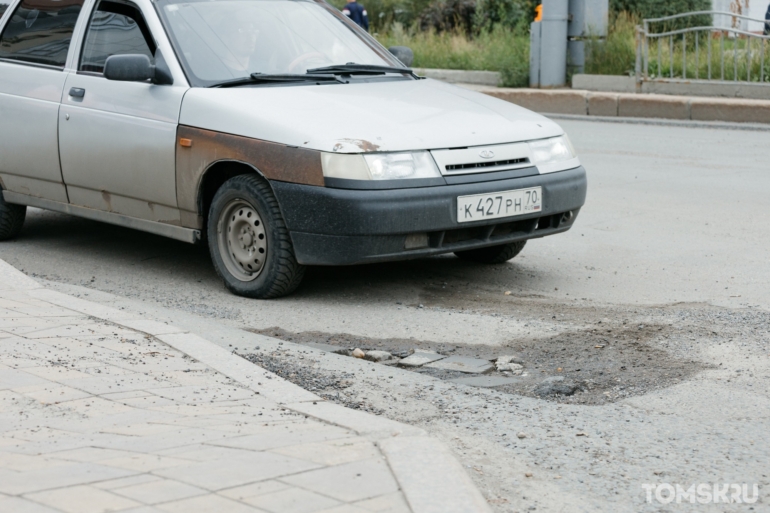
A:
331, 387
604, 363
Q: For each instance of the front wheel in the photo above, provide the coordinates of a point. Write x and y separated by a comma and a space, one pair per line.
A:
11, 218
249, 242
493, 254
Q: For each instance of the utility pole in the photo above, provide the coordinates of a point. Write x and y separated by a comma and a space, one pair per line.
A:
559, 39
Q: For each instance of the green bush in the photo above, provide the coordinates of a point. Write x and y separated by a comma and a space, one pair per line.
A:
660, 8
449, 15
507, 13
487, 13
617, 54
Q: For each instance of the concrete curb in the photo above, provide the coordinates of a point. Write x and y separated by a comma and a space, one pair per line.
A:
459, 76
589, 103
676, 86
432, 480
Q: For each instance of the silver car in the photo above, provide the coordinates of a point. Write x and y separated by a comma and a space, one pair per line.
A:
276, 131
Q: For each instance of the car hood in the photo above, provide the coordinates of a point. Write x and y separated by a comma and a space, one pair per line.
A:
396, 115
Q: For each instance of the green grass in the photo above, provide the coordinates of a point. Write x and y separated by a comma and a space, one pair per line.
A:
499, 49
616, 55
507, 51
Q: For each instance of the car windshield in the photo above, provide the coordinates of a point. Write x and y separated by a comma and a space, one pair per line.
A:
224, 40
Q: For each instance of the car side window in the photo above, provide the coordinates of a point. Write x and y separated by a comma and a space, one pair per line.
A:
40, 31
116, 28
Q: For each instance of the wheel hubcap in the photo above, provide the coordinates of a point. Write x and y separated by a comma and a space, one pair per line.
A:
242, 240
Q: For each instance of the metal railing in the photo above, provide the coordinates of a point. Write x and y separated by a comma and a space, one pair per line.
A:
702, 53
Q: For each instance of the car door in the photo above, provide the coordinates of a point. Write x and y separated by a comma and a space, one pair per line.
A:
117, 139
35, 40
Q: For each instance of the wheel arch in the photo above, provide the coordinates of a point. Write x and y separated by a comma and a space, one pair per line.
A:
215, 175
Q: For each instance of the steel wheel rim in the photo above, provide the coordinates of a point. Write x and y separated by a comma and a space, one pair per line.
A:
242, 240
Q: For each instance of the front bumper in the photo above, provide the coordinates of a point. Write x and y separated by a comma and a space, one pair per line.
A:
342, 226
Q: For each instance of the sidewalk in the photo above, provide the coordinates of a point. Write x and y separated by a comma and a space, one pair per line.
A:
104, 411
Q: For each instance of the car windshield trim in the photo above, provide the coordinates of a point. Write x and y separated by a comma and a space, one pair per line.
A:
261, 78
362, 69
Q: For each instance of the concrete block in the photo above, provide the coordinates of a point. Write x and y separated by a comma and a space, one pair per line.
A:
414, 461
58, 476
355, 420
606, 83
462, 364
333, 452
543, 100
17, 504
602, 104
209, 502
159, 491
737, 111
484, 381
643, 106
420, 359
715, 89
241, 493
77, 499
459, 76
154, 328
337, 481
292, 435
293, 499
236, 471
391, 503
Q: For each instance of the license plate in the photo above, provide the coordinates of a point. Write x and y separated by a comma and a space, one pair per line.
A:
480, 207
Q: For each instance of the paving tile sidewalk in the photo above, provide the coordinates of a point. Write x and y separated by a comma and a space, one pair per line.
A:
98, 416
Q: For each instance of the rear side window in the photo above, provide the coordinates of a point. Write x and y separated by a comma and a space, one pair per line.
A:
115, 29
40, 31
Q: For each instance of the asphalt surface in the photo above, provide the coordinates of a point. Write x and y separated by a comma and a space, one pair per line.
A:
673, 236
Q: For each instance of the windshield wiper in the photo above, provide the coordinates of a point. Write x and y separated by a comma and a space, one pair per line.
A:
362, 69
260, 78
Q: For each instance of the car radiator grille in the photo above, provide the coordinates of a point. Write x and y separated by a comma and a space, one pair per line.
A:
481, 165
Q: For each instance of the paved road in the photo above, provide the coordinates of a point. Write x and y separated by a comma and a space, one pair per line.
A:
673, 215
673, 236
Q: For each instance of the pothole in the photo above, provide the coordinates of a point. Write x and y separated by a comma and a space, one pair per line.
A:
332, 387
596, 365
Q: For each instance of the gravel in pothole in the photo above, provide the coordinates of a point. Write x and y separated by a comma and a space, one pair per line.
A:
592, 365
330, 386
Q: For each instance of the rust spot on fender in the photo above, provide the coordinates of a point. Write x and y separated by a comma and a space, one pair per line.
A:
107, 197
363, 144
275, 161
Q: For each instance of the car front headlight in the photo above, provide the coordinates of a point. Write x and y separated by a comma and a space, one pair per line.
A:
380, 166
553, 154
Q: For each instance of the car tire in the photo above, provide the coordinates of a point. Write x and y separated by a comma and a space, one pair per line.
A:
11, 219
249, 241
493, 254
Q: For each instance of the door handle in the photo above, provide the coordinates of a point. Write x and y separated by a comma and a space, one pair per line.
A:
77, 92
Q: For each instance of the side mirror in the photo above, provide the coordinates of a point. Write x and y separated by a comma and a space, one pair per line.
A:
404, 54
137, 68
